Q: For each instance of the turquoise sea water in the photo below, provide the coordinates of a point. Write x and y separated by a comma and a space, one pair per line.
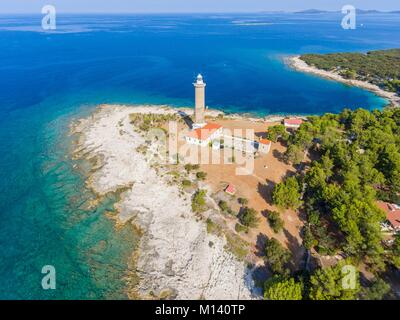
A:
46, 79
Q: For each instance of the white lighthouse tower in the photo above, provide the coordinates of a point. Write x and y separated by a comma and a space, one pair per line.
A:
200, 106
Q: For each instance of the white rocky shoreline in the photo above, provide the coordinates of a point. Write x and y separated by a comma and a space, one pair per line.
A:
298, 64
177, 258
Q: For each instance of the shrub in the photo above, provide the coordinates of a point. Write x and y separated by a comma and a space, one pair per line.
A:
201, 175
241, 228
243, 201
223, 205
186, 183
213, 228
190, 167
199, 201
237, 246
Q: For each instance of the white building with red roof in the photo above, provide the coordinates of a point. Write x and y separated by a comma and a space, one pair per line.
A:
264, 146
293, 123
203, 136
392, 212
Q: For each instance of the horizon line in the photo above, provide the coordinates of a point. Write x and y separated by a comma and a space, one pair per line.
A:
197, 12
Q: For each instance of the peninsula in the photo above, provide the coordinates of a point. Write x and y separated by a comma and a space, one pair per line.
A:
236, 207
376, 71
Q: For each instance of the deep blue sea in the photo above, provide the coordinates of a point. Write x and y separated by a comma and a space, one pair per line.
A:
48, 78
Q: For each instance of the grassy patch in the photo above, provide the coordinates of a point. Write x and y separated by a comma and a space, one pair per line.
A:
199, 201
213, 228
186, 183
175, 174
223, 205
191, 167
237, 246
145, 122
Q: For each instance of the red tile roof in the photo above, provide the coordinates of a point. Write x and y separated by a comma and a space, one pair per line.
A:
265, 141
230, 189
392, 213
205, 132
293, 121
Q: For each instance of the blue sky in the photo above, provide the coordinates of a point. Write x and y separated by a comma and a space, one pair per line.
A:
148, 6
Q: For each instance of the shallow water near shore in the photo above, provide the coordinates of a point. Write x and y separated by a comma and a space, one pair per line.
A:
47, 217
46, 80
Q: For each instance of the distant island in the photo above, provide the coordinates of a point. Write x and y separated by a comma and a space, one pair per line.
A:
358, 11
377, 71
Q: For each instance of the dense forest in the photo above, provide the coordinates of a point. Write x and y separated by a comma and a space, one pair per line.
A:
378, 67
355, 162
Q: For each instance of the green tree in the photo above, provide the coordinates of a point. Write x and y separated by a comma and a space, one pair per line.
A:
294, 154
304, 136
329, 284
276, 132
287, 194
393, 85
249, 217
389, 163
357, 161
309, 240
280, 288
326, 243
277, 256
396, 251
350, 74
275, 221
377, 291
